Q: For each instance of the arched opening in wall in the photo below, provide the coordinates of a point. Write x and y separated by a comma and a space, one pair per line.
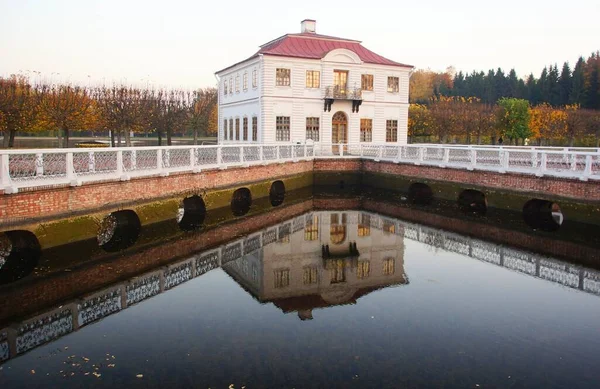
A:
277, 193
241, 202
419, 193
472, 201
339, 132
542, 215
20, 253
119, 230
191, 213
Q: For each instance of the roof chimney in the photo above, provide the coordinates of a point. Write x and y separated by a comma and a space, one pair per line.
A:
309, 26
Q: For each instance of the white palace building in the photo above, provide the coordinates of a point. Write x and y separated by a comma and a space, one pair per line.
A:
315, 87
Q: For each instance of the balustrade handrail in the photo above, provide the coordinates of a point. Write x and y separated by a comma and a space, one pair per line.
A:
30, 168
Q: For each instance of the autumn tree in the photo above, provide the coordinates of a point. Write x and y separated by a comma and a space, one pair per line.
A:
124, 109
18, 107
65, 107
513, 118
170, 112
203, 104
419, 121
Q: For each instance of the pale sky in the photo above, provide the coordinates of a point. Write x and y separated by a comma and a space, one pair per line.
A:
181, 43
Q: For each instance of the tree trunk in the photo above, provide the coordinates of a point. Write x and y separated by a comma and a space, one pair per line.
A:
571, 141
66, 143
112, 138
127, 137
195, 136
59, 137
169, 138
11, 139
478, 137
159, 138
119, 138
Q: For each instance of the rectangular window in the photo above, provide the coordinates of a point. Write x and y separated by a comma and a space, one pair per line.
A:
340, 80
389, 227
224, 87
312, 129
388, 266
366, 130
337, 271
282, 128
254, 78
283, 77
245, 129
310, 275
225, 129
230, 85
237, 129
254, 129
393, 84
366, 82
313, 79
364, 225
245, 81
311, 229
363, 269
391, 131
230, 129
237, 83
281, 278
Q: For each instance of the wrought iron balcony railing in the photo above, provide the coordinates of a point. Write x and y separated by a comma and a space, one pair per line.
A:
340, 92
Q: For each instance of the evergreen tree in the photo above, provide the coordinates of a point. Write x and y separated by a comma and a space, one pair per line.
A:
533, 91
459, 85
489, 88
591, 82
500, 85
542, 85
577, 95
553, 97
513, 84
565, 85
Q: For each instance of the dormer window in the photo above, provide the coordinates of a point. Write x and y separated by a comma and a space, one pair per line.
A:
283, 77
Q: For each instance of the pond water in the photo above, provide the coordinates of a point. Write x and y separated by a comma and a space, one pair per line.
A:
340, 299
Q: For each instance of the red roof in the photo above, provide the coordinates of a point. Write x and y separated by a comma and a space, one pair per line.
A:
315, 46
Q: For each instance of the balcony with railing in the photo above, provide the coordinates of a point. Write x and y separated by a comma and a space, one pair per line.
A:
342, 92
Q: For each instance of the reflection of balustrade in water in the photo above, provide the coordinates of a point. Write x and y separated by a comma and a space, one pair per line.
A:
56, 323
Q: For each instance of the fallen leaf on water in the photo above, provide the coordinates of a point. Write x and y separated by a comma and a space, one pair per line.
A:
139, 375
33, 372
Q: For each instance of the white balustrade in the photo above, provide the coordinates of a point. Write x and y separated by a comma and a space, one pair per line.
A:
31, 168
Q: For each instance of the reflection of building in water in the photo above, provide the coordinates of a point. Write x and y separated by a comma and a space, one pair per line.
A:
334, 259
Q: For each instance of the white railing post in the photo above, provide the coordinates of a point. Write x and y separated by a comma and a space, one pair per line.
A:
70, 170
587, 172
277, 156
473, 159
261, 154
193, 159
305, 151
39, 164
5, 174
420, 155
91, 162
379, 153
446, 158
219, 156
133, 161
543, 165
159, 164
503, 160
241, 154
120, 174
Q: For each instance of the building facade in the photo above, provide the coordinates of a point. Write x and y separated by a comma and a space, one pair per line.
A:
315, 87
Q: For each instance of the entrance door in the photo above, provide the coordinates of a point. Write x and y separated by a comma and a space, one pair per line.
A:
339, 132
